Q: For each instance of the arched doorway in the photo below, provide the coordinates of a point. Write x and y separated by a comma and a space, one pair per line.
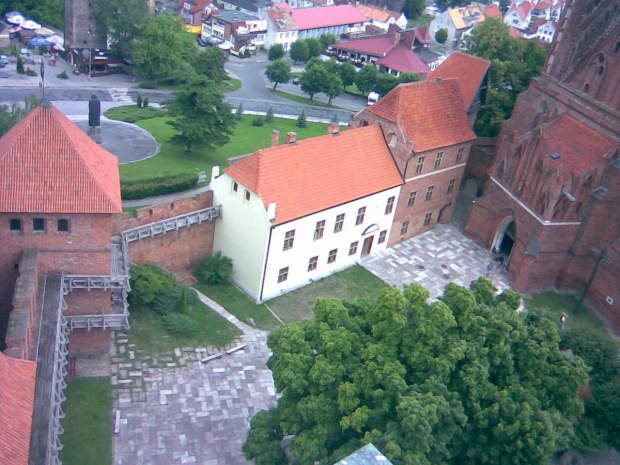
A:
505, 238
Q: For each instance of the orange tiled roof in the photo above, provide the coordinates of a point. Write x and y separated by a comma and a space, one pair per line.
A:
376, 13
49, 165
319, 173
432, 114
468, 69
17, 380
493, 11
580, 148
463, 17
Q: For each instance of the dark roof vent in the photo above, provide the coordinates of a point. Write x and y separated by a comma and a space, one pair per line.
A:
555, 155
599, 192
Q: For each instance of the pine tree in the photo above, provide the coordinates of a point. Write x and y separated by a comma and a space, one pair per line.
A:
302, 120
269, 116
181, 306
239, 112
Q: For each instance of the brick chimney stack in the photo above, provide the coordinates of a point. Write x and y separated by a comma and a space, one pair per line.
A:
333, 129
291, 137
275, 137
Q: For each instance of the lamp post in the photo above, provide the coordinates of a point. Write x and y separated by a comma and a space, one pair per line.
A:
90, 53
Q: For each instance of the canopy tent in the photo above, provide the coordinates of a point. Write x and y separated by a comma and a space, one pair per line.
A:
58, 47
45, 32
30, 25
39, 41
15, 18
193, 29
55, 39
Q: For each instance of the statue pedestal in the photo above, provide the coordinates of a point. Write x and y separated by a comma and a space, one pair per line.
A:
95, 134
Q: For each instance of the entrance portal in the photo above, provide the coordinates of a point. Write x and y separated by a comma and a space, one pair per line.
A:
367, 246
505, 238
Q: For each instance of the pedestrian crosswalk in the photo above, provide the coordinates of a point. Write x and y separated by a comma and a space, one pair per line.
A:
120, 95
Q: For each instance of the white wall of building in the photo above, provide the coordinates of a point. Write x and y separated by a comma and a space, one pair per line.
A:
546, 32
285, 38
514, 19
443, 21
305, 246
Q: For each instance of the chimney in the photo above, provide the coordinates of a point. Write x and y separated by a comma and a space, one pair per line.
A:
215, 173
439, 79
275, 137
271, 212
291, 138
333, 129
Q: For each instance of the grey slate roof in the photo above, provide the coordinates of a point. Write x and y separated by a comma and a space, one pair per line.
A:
367, 455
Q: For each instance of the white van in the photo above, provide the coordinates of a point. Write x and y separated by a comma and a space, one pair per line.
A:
373, 98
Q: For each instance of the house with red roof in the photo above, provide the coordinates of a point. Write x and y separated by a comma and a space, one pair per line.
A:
393, 51
194, 11
429, 136
307, 208
382, 17
519, 15
545, 30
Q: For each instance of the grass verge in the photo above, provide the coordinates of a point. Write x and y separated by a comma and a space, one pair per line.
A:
133, 113
306, 100
351, 284
150, 337
87, 439
239, 304
173, 159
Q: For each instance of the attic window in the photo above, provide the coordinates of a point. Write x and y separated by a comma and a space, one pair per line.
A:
599, 192
555, 155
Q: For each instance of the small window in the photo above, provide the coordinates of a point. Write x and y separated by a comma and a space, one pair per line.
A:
15, 225
459, 155
427, 219
451, 185
360, 216
38, 224
389, 206
339, 223
246, 196
353, 248
419, 166
393, 140
411, 199
63, 225
438, 160
234, 189
429, 193
289, 238
332, 256
319, 230
382, 236
283, 275
312, 264
404, 227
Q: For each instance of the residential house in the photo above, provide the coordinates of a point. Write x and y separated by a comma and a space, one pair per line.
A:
393, 52
309, 3
194, 11
281, 29
457, 21
545, 30
252, 7
240, 29
307, 208
382, 17
429, 137
519, 15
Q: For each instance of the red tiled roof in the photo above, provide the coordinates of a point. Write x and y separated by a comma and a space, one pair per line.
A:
49, 165
319, 173
543, 4
400, 58
469, 70
17, 380
523, 9
377, 13
433, 115
282, 14
325, 16
580, 147
493, 11
199, 5
423, 34
376, 46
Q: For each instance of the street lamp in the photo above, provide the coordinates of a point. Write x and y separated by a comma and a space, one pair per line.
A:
90, 53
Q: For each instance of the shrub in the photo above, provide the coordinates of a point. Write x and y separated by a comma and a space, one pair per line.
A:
247, 53
164, 304
139, 100
181, 325
62, 75
239, 112
148, 85
132, 190
149, 281
20, 65
181, 306
215, 268
269, 116
145, 102
258, 121
441, 36
169, 303
302, 121
31, 73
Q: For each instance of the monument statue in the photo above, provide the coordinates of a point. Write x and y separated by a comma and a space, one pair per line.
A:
94, 118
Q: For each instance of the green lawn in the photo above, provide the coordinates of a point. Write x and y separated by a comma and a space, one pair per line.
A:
173, 159
87, 439
353, 90
306, 100
552, 305
351, 284
150, 337
239, 304
420, 21
133, 113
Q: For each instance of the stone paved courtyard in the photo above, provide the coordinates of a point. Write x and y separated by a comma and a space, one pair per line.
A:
186, 411
434, 259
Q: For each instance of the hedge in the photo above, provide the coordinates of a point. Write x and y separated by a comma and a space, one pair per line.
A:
133, 190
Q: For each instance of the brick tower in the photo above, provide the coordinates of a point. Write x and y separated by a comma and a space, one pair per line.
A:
550, 203
80, 17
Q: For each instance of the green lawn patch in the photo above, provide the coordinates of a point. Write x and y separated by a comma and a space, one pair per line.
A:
239, 304
306, 100
420, 21
87, 439
553, 305
351, 284
173, 159
150, 337
353, 90
133, 113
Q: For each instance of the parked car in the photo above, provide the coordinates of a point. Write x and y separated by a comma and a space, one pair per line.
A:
2, 64
296, 81
4, 59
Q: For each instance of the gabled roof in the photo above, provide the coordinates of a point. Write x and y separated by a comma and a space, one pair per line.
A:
319, 173
281, 19
377, 45
314, 18
431, 113
17, 382
49, 165
465, 16
401, 59
377, 13
469, 70
493, 11
543, 5
523, 9
196, 5
580, 148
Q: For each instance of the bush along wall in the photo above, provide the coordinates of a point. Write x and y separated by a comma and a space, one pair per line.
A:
133, 190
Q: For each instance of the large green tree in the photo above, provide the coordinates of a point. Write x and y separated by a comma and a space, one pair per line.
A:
121, 20
300, 51
276, 52
210, 63
464, 380
201, 116
314, 80
278, 72
163, 46
347, 73
366, 78
385, 83
413, 8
